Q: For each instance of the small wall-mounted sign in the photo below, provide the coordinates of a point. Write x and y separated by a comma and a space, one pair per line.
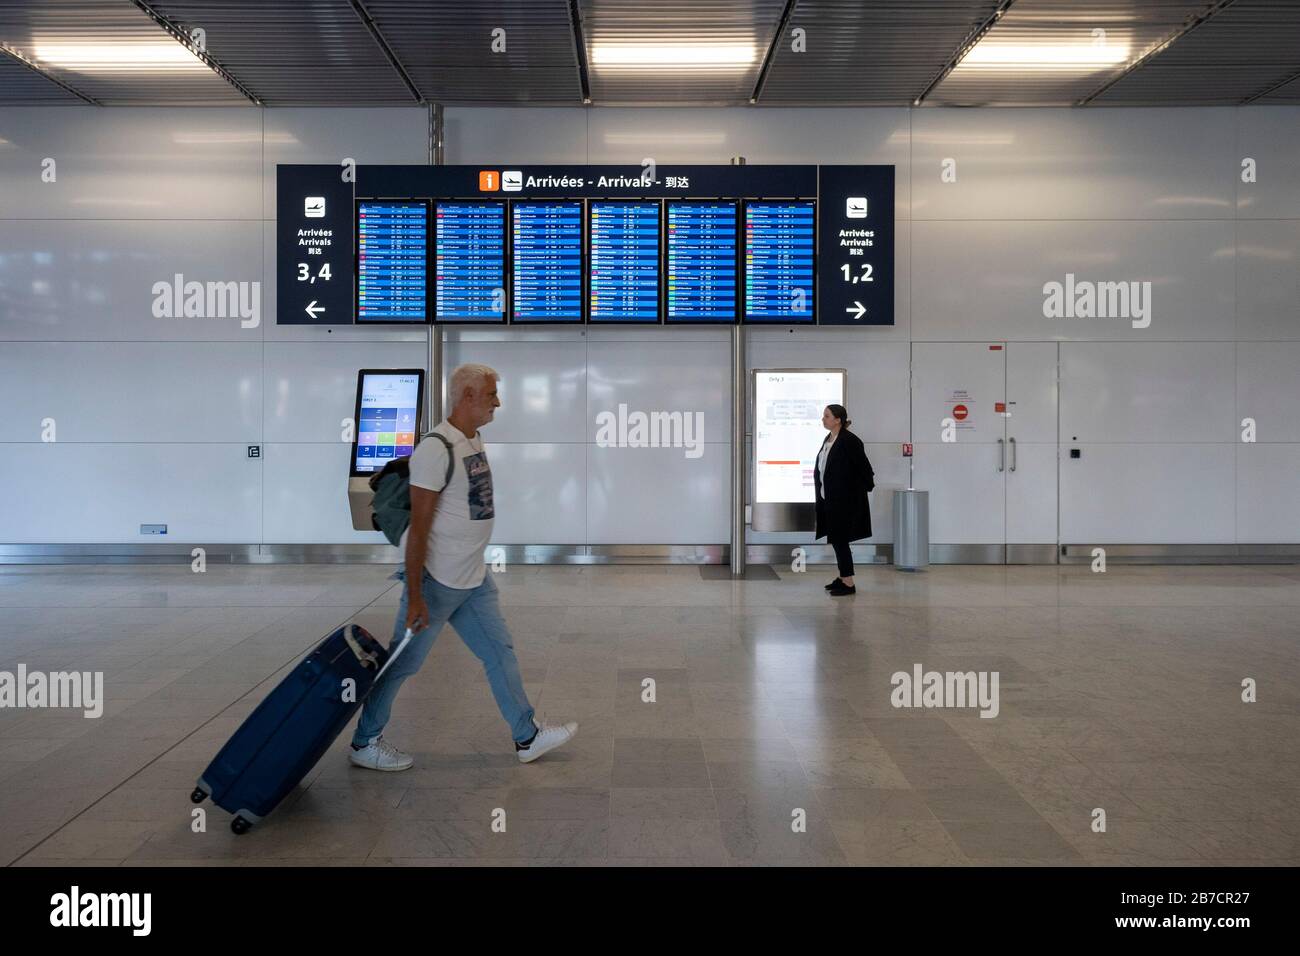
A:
254, 451
153, 529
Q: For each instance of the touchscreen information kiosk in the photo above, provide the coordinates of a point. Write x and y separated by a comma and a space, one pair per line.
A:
387, 416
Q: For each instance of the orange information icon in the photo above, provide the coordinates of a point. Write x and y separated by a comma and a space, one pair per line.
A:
489, 181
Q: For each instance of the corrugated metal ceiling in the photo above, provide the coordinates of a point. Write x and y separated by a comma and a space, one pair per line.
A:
652, 52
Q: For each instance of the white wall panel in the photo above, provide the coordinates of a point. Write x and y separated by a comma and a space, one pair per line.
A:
75, 493
523, 135
131, 163
371, 135
655, 377
1031, 391
1268, 390
1268, 507
1268, 279
310, 387
1148, 494
539, 491
1270, 135
155, 392
1152, 392
985, 280
305, 496
94, 281
658, 496
1074, 164
542, 388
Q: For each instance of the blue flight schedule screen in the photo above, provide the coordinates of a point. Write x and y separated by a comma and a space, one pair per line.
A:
701, 262
779, 239
547, 245
470, 267
392, 261
624, 265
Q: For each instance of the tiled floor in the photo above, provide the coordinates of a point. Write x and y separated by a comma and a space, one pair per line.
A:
772, 738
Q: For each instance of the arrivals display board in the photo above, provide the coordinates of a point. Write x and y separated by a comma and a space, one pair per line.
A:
779, 256
392, 261
701, 262
623, 273
546, 240
470, 261
811, 244
387, 417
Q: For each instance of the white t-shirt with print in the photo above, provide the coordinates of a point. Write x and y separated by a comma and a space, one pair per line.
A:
462, 518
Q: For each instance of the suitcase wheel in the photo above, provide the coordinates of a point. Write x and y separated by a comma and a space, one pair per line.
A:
240, 826
199, 795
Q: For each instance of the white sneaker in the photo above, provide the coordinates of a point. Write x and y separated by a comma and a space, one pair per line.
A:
549, 736
381, 755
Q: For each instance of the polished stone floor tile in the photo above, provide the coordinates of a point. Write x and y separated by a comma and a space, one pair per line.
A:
773, 738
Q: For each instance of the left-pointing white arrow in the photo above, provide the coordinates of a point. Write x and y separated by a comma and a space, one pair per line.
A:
861, 309
313, 308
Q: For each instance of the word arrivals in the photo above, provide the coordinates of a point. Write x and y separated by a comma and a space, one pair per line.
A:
1101, 300
77, 690
652, 430
208, 300
947, 689
103, 909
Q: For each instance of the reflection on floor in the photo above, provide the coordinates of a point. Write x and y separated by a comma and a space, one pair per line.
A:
772, 738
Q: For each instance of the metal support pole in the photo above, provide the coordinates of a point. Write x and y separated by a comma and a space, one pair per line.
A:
739, 408
739, 411
433, 401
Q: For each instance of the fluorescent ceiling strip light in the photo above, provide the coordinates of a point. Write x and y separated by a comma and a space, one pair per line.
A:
117, 57
1044, 56
673, 55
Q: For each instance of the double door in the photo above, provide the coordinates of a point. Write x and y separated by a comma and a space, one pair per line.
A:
984, 435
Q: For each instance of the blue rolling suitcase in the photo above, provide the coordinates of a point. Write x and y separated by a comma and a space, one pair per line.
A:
289, 731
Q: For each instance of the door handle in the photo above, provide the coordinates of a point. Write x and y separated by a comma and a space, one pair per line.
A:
1002, 455
1012, 443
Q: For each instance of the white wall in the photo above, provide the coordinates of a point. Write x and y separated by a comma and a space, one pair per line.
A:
154, 415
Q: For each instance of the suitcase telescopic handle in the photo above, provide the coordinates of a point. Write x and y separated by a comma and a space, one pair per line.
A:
406, 639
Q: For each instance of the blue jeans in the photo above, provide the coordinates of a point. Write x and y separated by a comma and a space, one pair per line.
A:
476, 616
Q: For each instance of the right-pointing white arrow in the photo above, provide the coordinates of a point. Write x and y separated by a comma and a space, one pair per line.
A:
313, 308
861, 309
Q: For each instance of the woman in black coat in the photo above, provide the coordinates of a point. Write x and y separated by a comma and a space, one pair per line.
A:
841, 480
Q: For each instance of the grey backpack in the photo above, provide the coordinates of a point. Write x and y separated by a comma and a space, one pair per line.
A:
392, 488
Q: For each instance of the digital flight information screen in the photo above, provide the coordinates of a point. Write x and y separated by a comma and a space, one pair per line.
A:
392, 261
624, 261
779, 272
388, 414
701, 262
546, 241
470, 263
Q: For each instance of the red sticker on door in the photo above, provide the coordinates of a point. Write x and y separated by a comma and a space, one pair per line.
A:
960, 412
999, 407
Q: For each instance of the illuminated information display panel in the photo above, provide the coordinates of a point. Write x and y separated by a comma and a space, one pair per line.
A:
546, 240
388, 411
624, 264
470, 266
701, 262
788, 430
392, 261
779, 249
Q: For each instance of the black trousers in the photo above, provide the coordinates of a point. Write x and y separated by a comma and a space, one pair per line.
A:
843, 556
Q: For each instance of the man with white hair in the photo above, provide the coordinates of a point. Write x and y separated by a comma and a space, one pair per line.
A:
451, 523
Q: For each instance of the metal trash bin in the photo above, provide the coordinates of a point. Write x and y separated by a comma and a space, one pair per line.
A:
911, 529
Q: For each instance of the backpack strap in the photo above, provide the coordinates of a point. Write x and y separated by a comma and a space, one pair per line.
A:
451, 459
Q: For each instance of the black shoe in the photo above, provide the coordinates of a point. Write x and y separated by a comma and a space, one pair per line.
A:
831, 586
842, 589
